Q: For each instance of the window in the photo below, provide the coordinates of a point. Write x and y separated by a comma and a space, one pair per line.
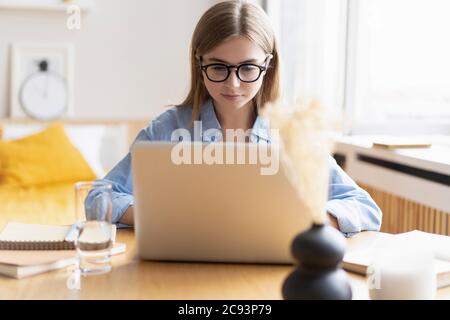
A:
398, 66
385, 63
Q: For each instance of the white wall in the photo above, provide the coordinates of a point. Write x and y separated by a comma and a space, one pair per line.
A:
131, 56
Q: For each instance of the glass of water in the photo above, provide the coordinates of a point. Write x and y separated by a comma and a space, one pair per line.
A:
93, 205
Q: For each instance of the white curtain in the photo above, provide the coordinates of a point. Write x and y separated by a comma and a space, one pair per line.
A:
311, 35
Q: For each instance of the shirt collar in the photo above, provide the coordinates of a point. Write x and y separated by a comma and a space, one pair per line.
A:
208, 117
261, 129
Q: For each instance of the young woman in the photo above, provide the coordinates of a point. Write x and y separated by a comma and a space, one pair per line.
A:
234, 72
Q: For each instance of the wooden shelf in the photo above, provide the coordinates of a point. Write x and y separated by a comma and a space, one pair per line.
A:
45, 5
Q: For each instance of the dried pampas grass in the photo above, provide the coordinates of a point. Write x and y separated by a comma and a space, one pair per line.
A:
305, 145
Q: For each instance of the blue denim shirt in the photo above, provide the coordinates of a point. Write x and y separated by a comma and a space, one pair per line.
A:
353, 207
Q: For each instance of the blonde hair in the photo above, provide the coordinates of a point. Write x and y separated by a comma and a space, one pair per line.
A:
221, 22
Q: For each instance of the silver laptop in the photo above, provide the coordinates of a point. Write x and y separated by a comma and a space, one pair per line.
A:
210, 211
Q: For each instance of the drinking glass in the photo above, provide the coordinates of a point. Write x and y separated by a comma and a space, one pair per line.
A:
93, 205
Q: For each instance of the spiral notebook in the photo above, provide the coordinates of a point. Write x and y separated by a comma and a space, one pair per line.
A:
21, 236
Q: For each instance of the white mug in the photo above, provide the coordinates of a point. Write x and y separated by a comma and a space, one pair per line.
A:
402, 274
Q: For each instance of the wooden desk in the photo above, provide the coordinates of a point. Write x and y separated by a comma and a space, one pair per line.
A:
134, 279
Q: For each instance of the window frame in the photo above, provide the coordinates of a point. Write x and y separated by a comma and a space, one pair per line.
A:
353, 125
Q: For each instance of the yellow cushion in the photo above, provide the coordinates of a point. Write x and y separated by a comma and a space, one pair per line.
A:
43, 158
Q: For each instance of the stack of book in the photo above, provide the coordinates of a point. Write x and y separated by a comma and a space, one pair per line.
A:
29, 249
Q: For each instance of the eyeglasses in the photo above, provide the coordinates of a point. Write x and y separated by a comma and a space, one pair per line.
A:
246, 72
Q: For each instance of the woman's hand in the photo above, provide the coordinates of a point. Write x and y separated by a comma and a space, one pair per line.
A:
128, 217
332, 221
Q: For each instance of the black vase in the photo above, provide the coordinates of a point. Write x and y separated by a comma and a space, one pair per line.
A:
318, 276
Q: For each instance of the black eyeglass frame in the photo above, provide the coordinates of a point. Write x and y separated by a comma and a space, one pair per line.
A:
237, 67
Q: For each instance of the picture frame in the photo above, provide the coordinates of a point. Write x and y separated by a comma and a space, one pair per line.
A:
25, 58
